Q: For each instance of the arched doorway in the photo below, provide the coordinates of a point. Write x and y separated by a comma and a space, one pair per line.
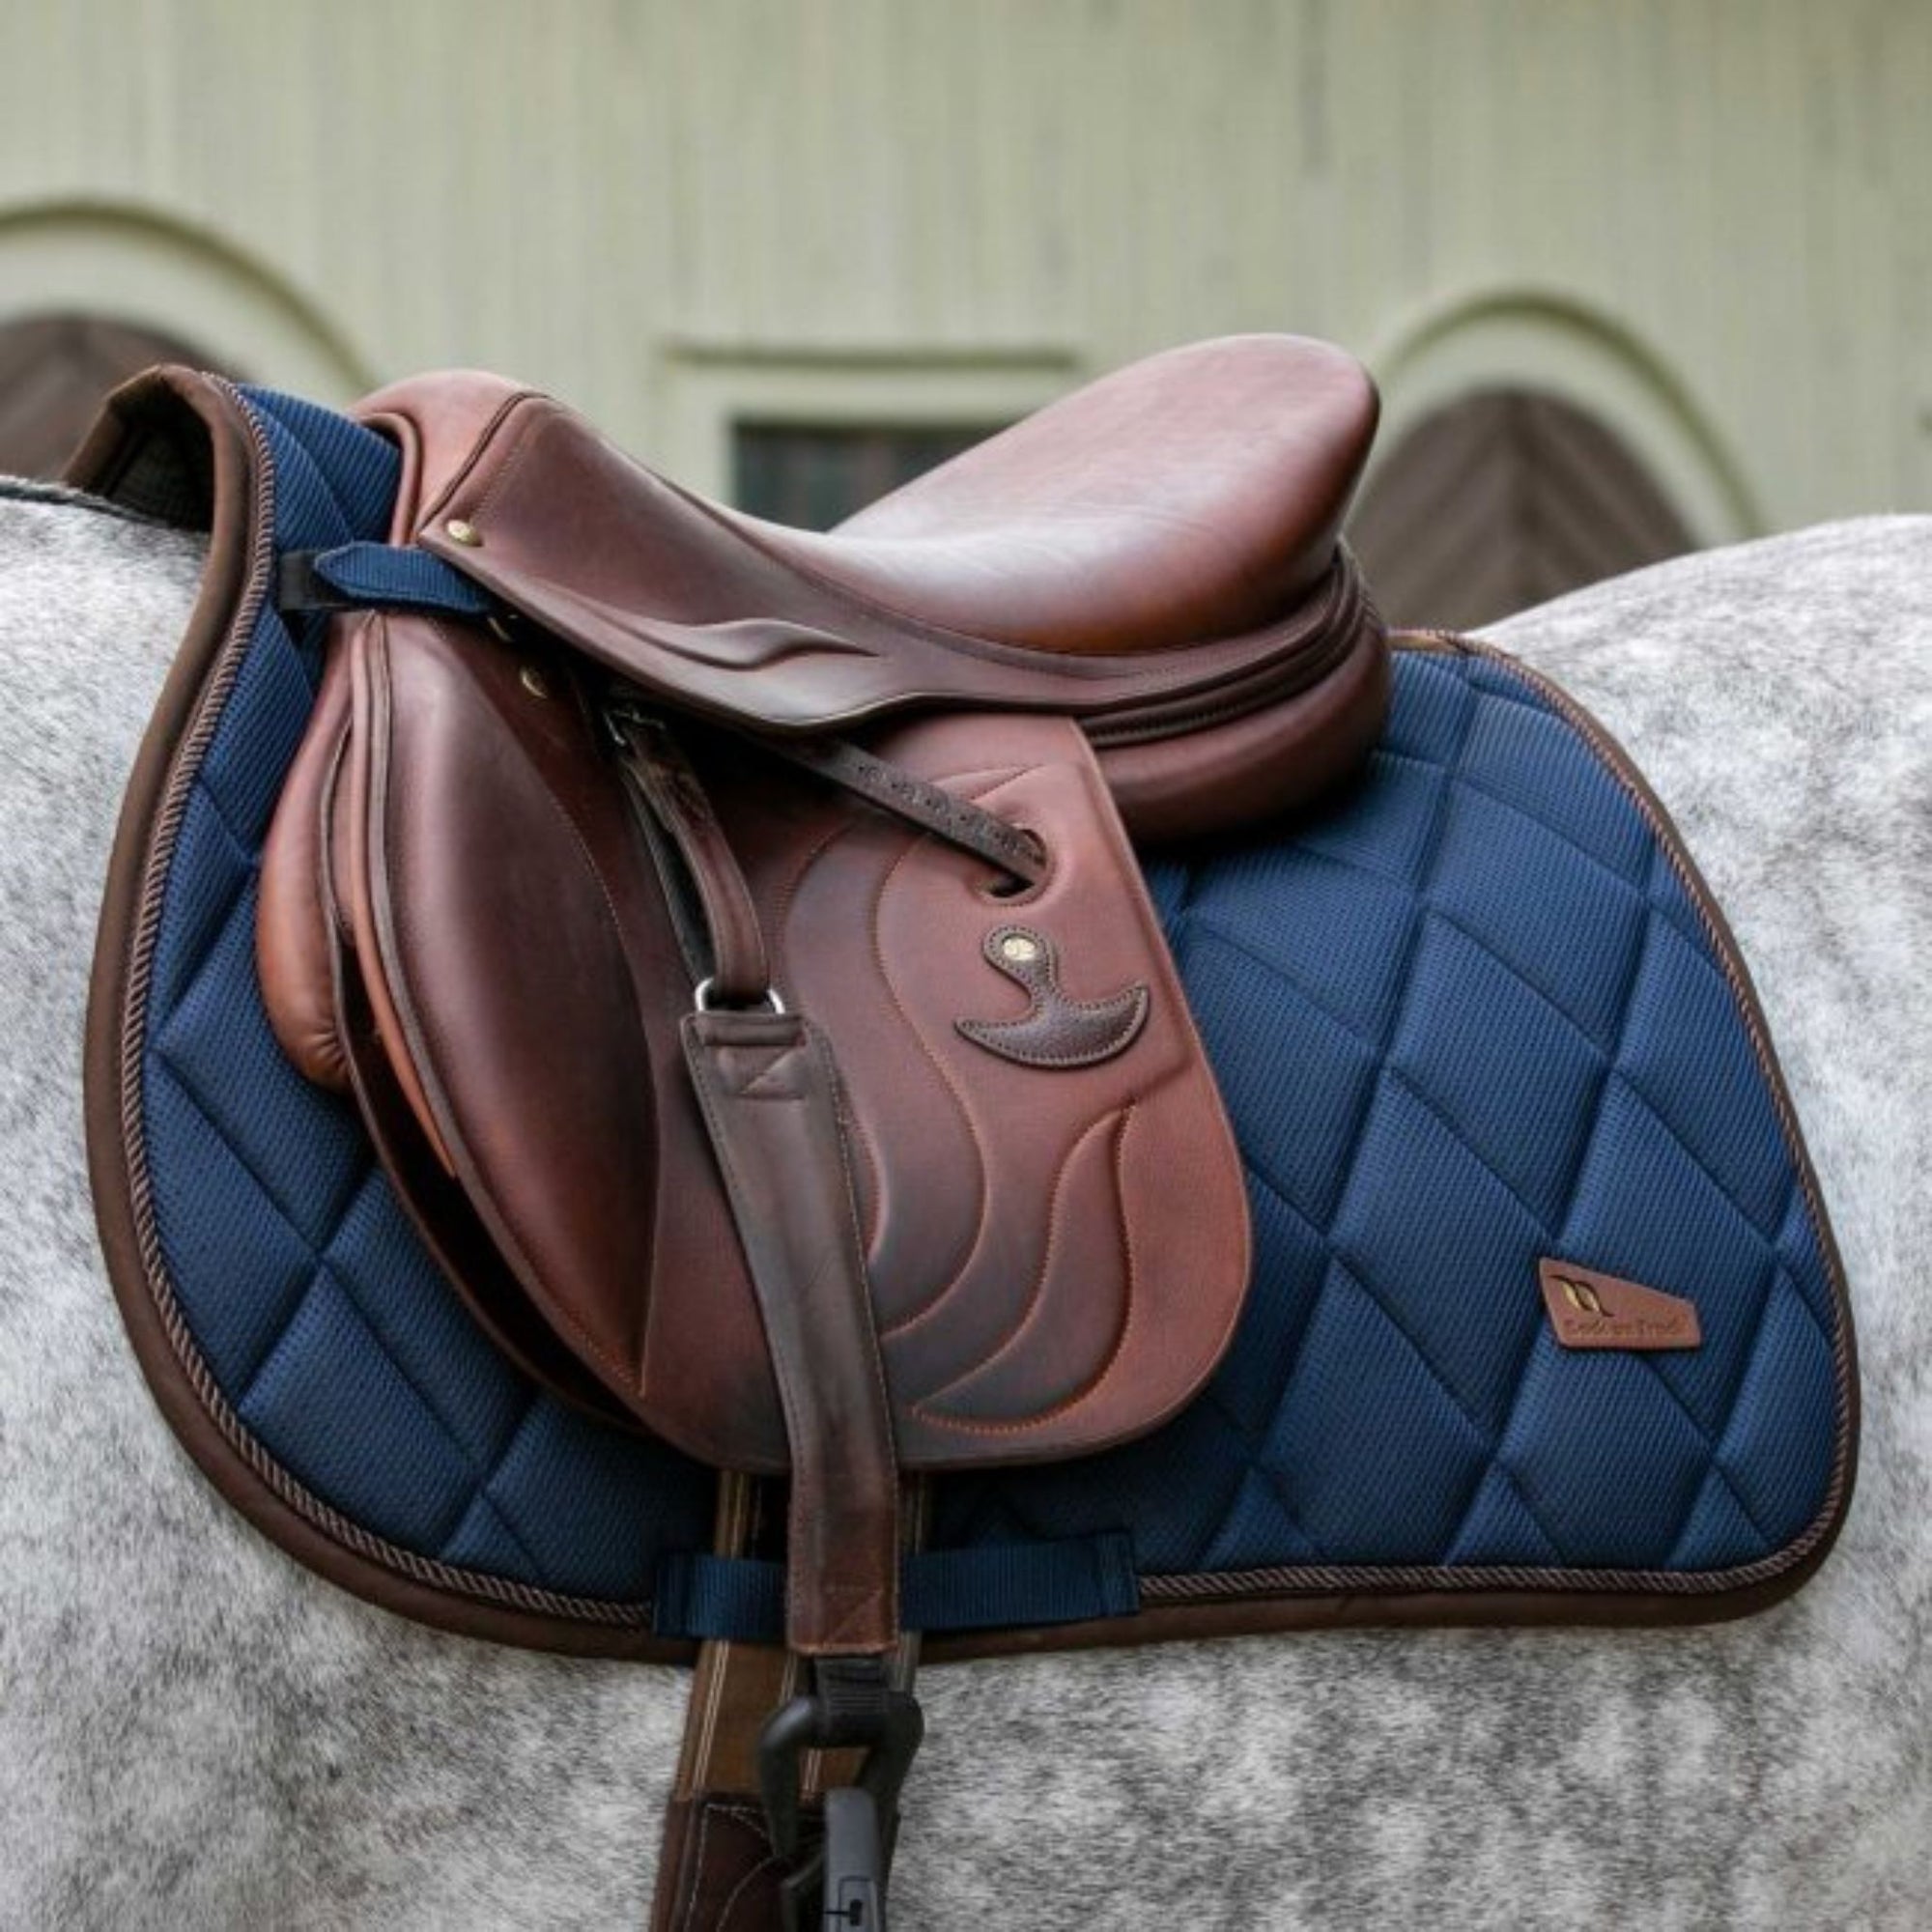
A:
1505, 499
54, 371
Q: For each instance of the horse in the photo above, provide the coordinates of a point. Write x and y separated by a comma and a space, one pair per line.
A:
196, 1731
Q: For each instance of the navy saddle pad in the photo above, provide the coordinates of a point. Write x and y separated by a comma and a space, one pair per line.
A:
1484, 1040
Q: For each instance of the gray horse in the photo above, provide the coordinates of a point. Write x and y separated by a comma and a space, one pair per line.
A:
196, 1733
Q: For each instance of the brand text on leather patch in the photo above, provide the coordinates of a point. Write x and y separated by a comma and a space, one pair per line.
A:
1590, 1310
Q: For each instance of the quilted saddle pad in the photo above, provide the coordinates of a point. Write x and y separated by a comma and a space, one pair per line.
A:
1545, 1322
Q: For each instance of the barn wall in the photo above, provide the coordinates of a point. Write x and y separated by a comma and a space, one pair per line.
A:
945, 207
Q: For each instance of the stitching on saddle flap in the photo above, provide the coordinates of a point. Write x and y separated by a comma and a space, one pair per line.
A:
963, 1113
966, 1425
756, 1084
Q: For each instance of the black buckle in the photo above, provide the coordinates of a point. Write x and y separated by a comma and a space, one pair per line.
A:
852, 1879
854, 1706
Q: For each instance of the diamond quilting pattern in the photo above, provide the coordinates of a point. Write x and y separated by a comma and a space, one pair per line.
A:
1467, 1018
1462, 1017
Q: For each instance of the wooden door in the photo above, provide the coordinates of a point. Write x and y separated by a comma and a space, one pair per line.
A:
1501, 501
55, 369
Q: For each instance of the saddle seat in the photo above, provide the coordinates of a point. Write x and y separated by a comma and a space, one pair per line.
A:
1194, 496
1155, 557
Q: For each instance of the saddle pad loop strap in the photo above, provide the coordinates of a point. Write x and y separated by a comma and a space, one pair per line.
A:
768, 1094
371, 576
992, 1586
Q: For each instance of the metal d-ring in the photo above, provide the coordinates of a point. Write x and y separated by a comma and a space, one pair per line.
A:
704, 997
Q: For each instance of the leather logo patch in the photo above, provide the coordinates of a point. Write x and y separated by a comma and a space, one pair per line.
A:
1054, 1031
1589, 1310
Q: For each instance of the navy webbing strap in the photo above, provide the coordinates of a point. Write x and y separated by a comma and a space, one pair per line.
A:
365, 575
992, 1586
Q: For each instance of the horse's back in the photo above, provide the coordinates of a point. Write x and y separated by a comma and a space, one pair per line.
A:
194, 1731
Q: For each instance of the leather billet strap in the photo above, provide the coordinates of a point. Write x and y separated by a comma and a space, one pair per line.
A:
723, 928
768, 1094
1011, 848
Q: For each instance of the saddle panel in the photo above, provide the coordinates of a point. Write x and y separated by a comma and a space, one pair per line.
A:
298, 936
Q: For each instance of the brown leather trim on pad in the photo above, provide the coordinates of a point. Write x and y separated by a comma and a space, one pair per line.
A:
1267, 1603
477, 1605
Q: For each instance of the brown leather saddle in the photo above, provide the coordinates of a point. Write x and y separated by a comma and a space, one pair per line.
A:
732, 940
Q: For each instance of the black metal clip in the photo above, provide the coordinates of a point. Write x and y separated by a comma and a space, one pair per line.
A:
854, 1706
853, 1878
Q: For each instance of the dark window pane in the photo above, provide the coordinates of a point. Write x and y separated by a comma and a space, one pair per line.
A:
813, 475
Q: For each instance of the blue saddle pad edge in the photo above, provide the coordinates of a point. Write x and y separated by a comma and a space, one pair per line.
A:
1118, 1550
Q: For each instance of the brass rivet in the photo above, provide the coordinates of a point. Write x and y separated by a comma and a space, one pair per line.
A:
534, 681
1019, 949
458, 531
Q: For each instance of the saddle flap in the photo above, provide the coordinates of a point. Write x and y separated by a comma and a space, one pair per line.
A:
1054, 1208
1051, 1204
